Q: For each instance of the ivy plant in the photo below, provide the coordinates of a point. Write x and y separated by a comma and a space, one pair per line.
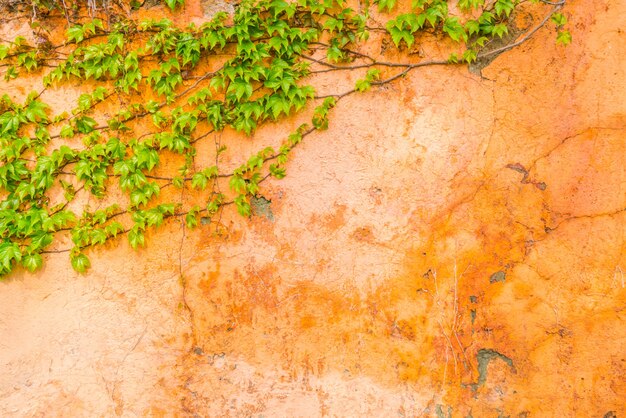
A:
263, 59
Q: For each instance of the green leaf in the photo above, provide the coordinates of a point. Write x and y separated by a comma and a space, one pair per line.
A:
362, 85
40, 241
243, 207
399, 35
454, 29
32, 262
138, 197
191, 220
115, 148
188, 48
199, 181
504, 6
386, 4
80, 262
237, 183
117, 40
563, 37
154, 217
67, 131
255, 162
98, 237
85, 124
147, 159
500, 30
468, 5
211, 172
436, 12
61, 219
84, 102
75, 34
469, 56
113, 228
559, 19
217, 83
241, 88
336, 25
10, 73
99, 93
372, 74
214, 205
9, 253
178, 182
36, 111
277, 172
472, 27
136, 237
131, 61
167, 208
173, 3
4, 51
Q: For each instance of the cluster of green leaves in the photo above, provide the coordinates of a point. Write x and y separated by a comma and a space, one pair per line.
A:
435, 15
69, 7
475, 30
563, 35
158, 73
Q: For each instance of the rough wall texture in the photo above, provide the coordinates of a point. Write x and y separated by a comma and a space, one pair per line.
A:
454, 245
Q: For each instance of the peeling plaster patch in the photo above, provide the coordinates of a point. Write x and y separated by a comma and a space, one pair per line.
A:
486, 56
498, 276
212, 7
484, 357
262, 207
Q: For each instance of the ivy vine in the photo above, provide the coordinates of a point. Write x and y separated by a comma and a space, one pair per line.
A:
264, 55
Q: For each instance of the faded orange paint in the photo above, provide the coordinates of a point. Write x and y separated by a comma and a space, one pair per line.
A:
451, 244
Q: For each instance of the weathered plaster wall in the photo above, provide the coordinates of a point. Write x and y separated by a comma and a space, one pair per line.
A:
451, 243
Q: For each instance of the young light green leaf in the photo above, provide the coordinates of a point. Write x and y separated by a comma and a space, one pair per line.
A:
9, 253
564, 37
32, 262
80, 262
136, 238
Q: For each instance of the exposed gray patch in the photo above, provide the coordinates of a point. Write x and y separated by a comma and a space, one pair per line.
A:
439, 412
485, 57
501, 414
498, 276
262, 207
150, 3
212, 7
484, 357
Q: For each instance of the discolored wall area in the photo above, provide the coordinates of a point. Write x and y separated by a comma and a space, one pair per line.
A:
454, 245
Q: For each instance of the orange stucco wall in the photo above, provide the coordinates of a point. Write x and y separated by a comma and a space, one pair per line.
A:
410, 267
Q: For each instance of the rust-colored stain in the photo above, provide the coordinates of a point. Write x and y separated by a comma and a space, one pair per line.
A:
463, 253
